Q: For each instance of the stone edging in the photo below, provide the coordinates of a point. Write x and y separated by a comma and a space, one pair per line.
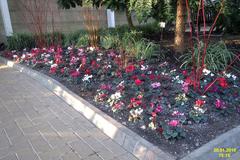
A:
129, 140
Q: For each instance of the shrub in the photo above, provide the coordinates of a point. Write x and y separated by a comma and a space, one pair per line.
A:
217, 57
83, 41
73, 37
19, 41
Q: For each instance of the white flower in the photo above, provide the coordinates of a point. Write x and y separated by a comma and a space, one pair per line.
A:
143, 68
100, 54
98, 59
87, 78
234, 77
211, 74
174, 70
206, 71
51, 62
116, 96
23, 56
205, 81
69, 48
54, 65
47, 55
149, 72
15, 56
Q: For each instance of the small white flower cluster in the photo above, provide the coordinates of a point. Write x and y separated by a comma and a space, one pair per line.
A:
116, 96
136, 113
206, 71
54, 65
143, 67
178, 80
229, 75
87, 78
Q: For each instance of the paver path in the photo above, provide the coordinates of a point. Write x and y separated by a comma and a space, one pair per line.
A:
35, 124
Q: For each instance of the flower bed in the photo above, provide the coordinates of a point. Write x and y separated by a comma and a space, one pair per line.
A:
155, 99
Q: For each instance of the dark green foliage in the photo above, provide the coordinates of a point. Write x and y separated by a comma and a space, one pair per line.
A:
160, 10
19, 41
67, 4
73, 37
232, 15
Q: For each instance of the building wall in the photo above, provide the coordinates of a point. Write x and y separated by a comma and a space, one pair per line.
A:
64, 20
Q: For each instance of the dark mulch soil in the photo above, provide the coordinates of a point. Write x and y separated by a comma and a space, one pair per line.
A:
197, 134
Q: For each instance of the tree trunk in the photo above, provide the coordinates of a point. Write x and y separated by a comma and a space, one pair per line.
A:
180, 26
129, 18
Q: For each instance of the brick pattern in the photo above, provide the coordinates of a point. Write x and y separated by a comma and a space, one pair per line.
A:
35, 124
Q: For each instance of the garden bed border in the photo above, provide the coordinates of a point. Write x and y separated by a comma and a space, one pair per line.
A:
129, 140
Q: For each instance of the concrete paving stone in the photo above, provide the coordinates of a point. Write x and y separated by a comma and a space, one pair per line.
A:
20, 143
34, 128
27, 154
4, 142
81, 132
98, 134
13, 130
66, 133
5, 152
114, 147
52, 137
9, 157
106, 154
82, 148
65, 118
94, 144
93, 157
39, 144
72, 112
23, 122
126, 156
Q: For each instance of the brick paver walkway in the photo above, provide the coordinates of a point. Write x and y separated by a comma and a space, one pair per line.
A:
35, 124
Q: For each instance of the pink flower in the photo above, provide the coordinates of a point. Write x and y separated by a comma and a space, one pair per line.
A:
219, 104
185, 87
105, 87
62, 70
158, 109
173, 123
184, 72
155, 85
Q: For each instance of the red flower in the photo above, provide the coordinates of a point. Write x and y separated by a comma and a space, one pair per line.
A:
143, 75
134, 77
75, 74
94, 63
184, 72
62, 70
88, 71
199, 102
222, 82
130, 69
152, 76
188, 80
53, 70
138, 82
84, 60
